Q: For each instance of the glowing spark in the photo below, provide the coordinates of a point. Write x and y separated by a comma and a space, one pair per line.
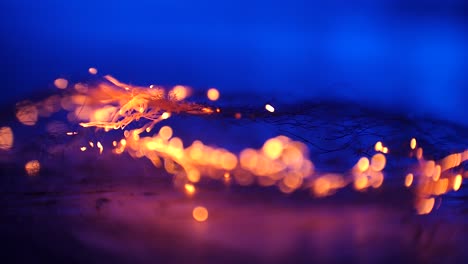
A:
361, 182
91, 144
189, 188
114, 143
83, 148
269, 108
6, 138
213, 94
92, 71
457, 182
413, 143
409, 179
378, 162
72, 133
166, 115
61, 83
200, 214
385, 150
32, 168
273, 148
100, 147
378, 146
363, 164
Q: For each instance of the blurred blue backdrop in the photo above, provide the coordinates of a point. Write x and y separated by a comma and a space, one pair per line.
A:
405, 54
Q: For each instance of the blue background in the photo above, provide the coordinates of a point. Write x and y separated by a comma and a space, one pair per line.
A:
404, 54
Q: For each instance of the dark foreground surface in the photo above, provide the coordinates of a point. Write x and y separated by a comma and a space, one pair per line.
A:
90, 208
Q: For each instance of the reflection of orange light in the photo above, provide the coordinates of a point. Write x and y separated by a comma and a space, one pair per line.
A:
237, 116
200, 213
32, 167
213, 94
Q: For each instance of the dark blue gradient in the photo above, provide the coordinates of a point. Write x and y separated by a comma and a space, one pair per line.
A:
405, 54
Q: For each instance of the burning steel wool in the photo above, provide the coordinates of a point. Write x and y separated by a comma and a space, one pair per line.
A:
281, 161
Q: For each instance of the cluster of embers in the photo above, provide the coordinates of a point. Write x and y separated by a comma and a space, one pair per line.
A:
281, 161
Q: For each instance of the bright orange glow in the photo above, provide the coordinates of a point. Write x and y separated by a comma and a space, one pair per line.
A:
378, 146
61, 83
425, 206
200, 214
363, 164
193, 175
100, 147
6, 138
213, 94
189, 189
429, 168
32, 167
409, 179
457, 182
269, 108
436, 173
361, 183
165, 115
179, 93
92, 70
281, 161
378, 162
413, 143
273, 148
165, 132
